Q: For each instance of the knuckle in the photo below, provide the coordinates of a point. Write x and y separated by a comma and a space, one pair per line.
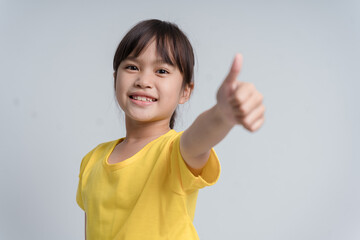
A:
247, 122
242, 109
239, 98
242, 97
251, 86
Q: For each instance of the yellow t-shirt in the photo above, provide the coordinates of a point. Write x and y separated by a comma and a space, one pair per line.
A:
151, 195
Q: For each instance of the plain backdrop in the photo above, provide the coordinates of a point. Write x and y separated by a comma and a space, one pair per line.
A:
296, 178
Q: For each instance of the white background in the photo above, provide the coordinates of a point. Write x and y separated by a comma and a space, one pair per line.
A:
296, 178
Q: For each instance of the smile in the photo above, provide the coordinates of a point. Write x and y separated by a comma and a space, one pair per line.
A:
144, 99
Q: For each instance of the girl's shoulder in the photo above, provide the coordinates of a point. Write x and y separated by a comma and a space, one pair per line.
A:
169, 137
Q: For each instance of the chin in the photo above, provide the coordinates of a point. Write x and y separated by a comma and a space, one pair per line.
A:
140, 117
145, 118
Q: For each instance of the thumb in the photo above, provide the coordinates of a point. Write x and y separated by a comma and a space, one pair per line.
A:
235, 69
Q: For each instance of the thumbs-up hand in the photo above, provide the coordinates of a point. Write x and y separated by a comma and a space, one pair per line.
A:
240, 102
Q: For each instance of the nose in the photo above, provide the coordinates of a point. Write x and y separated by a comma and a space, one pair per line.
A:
144, 80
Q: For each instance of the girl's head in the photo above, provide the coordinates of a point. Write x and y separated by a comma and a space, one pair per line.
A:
172, 48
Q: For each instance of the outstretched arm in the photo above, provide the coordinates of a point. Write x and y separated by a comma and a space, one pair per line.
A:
237, 103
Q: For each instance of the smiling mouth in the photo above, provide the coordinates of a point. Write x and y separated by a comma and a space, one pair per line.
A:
144, 99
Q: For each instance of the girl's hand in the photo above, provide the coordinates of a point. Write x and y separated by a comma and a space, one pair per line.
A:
240, 102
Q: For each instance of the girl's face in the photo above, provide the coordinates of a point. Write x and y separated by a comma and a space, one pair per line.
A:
148, 89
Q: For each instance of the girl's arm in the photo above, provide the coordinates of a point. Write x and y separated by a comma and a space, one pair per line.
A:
237, 103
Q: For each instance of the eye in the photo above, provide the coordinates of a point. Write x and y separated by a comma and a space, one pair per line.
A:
162, 71
131, 67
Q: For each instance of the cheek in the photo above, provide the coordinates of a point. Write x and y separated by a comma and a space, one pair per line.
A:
121, 81
119, 90
177, 84
172, 90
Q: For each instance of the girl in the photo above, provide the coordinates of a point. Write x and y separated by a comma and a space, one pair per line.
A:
145, 185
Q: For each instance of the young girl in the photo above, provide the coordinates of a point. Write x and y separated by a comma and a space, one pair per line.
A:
145, 185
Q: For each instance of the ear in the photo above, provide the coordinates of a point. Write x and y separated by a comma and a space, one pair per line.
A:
186, 92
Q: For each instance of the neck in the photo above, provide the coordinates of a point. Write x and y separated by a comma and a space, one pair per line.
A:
145, 131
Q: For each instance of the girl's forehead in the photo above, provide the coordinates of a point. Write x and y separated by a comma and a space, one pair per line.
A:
160, 52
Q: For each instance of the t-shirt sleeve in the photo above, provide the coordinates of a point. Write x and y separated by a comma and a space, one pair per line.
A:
180, 171
84, 162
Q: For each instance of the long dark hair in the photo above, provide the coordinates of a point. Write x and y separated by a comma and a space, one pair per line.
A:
171, 43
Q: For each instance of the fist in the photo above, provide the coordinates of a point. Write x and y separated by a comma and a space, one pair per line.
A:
240, 102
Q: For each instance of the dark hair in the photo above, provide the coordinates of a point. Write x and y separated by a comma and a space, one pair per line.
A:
171, 43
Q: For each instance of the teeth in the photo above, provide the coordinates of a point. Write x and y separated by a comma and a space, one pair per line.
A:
145, 99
